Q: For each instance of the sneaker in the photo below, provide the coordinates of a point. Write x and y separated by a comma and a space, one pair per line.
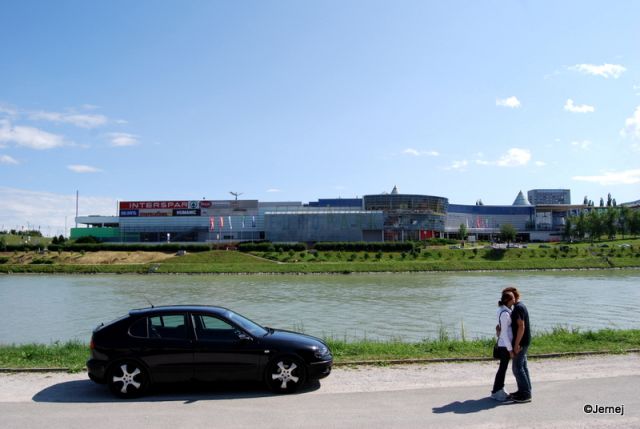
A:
500, 395
521, 398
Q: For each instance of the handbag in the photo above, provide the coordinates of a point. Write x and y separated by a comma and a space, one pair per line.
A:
496, 351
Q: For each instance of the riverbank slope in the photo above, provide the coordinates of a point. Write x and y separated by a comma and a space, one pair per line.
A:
615, 254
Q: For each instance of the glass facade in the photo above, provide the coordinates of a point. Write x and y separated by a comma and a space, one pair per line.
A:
313, 226
409, 217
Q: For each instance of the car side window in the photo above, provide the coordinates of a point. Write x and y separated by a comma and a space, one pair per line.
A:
139, 328
212, 328
171, 326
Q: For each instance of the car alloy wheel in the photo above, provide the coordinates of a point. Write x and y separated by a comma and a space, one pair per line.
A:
128, 379
285, 375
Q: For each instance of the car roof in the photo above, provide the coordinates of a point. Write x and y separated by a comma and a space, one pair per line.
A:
163, 309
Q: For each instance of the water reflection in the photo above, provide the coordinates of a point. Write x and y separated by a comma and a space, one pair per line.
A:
381, 306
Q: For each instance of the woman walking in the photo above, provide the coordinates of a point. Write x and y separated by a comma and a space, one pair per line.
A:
505, 347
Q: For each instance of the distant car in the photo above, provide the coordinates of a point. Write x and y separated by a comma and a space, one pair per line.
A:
204, 343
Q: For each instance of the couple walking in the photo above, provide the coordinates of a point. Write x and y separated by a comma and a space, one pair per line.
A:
514, 337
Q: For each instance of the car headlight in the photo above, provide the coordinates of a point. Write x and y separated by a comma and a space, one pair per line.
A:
320, 352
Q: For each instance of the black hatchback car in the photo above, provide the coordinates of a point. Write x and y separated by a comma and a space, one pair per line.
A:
205, 343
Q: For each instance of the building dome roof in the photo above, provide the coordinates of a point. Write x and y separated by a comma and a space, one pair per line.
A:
521, 200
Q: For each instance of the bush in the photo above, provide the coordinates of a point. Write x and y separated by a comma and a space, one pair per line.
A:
265, 246
87, 239
361, 246
4, 259
42, 262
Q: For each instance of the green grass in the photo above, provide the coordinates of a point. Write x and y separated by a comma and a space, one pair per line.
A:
559, 340
73, 355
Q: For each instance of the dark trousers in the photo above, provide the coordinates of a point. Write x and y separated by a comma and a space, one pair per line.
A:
502, 369
521, 371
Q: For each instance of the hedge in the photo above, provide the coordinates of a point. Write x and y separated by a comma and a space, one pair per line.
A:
265, 246
362, 246
96, 247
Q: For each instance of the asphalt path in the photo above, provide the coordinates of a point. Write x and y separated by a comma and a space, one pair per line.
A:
416, 396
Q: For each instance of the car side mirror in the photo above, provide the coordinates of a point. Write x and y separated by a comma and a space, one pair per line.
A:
242, 336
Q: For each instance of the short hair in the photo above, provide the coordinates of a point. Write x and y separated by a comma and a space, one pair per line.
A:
513, 290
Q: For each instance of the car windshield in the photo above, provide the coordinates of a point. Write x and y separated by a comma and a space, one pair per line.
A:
246, 324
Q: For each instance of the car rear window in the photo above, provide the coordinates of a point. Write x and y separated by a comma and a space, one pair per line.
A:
139, 328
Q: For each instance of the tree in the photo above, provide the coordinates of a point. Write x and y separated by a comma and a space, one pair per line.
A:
610, 222
624, 218
581, 225
595, 224
634, 222
609, 199
601, 202
507, 233
586, 201
568, 229
462, 231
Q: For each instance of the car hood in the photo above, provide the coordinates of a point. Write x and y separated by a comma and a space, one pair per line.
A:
281, 336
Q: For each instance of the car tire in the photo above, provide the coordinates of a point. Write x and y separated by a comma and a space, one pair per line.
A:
285, 374
128, 379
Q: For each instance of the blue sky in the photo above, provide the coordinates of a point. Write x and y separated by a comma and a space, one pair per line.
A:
294, 101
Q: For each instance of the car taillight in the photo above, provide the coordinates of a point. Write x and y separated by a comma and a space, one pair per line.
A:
92, 344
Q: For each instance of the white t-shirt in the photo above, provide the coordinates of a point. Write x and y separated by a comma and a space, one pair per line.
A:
506, 335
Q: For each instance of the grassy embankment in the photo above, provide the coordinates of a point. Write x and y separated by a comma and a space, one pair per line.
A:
73, 355
611, 254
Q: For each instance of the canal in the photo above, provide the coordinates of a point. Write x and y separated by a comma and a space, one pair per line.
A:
407, 306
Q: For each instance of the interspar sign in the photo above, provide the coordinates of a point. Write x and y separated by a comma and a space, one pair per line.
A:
155, 205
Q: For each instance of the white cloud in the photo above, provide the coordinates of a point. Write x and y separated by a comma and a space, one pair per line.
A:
415, 152
8, 110
272, 190
47, 211
123, 139
632, 126
458, 165
575, 108
604, 70
511, 102
583, 145
628, 177
77, 168
77, 119
540, 163
514, 157
29, 137
6, 159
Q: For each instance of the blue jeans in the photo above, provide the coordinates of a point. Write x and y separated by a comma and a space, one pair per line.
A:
521, 371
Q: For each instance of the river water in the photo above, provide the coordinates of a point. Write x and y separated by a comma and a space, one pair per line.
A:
407, 306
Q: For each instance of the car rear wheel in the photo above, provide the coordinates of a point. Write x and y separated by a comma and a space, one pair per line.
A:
285, 374
128, 379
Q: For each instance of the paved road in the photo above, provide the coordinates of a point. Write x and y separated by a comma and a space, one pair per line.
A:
558, 402
80, 404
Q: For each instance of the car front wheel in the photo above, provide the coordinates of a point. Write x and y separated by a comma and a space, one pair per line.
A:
128, 379
285, 374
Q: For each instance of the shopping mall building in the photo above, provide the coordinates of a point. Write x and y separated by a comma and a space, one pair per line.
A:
382, 217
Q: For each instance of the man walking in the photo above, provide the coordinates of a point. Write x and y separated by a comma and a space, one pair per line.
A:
521, 340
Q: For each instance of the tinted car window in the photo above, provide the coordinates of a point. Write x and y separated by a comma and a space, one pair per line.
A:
168, 326
212, 328
139, 328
